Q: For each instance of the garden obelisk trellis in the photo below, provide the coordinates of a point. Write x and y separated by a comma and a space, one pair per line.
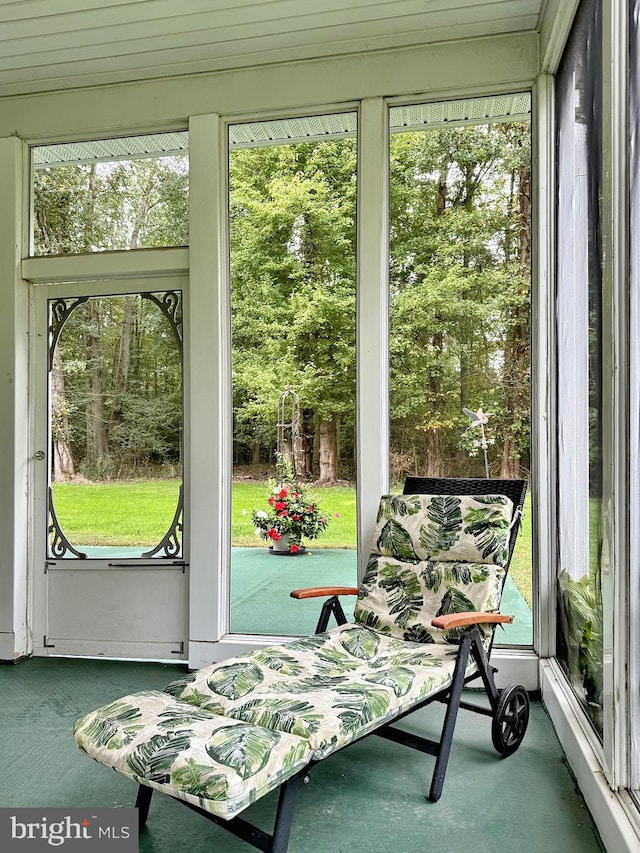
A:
289, 436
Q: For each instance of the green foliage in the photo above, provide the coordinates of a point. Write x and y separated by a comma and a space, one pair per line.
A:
580, 634
105, 206
458, 299
293, 288
459, 293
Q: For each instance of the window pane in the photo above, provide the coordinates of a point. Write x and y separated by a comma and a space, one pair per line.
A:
292, 240
579, 123
109, 194
460, 225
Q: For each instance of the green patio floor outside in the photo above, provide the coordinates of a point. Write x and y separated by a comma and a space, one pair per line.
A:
369, 798
261, 583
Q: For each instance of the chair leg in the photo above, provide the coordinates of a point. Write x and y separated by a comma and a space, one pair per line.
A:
453, 704
330, 607
284, 813
143, 801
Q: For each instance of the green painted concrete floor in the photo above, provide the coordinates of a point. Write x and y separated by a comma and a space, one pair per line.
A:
370, 797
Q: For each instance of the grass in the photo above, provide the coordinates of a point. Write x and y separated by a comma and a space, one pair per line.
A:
135, 512
139, 512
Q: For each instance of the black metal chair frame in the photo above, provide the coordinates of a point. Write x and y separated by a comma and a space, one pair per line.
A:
508, 708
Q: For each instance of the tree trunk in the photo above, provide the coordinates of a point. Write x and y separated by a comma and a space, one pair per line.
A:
434, 463
328, 434
63, 466
97, 441
121, 377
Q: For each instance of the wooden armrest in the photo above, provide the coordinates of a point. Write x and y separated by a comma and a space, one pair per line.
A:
320, 591
457, 620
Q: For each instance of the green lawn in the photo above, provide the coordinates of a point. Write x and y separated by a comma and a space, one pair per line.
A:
135, 512
139, 512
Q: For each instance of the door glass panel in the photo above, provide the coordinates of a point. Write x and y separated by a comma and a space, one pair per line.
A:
292, 201
459, 303
115, 411
579, 285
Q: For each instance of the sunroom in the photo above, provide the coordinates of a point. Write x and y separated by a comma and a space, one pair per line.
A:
139, 145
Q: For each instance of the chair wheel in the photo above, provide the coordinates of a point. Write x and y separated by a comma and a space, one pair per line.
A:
510, 719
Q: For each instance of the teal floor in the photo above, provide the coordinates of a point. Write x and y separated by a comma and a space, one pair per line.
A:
369, 798
261, 582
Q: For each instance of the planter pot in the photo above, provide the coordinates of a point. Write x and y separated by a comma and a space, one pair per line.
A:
281, 544
280, 547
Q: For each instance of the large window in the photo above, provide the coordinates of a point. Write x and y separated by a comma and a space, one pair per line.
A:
292, 198
579, 300
460, 281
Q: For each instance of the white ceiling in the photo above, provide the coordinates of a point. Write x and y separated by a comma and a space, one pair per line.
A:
53, 44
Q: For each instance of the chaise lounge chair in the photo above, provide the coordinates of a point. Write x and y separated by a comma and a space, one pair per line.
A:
427, 608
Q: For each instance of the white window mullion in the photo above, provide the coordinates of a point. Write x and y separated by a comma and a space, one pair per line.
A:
372, 317
543, 366
208, 393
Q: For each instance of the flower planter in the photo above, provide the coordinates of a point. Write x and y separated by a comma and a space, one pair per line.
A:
290, 515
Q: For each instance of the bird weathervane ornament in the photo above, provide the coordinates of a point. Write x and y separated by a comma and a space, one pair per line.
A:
480, 419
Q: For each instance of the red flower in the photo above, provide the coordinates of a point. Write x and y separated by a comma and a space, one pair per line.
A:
283, 493
273, 534
295, 516
271, 500
280, 505
294, 548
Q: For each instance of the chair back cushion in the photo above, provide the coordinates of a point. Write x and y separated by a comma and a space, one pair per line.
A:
452, 528
432, 555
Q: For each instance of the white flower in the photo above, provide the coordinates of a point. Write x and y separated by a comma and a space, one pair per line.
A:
261, 514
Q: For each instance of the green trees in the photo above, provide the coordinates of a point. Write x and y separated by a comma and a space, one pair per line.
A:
459, 284
459, 295
116, 391
293, 298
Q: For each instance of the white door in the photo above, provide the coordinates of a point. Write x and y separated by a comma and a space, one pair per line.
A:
110, 574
